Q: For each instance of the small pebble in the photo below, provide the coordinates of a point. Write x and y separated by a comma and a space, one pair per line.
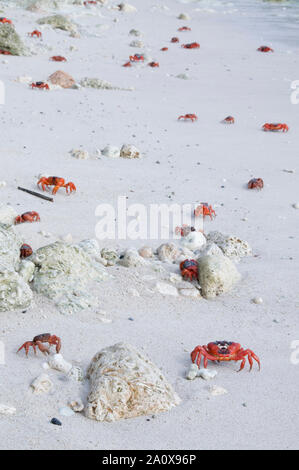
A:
296, 205
56, 422
257, 300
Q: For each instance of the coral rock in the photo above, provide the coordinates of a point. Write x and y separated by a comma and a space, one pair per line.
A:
62, 79
217, 275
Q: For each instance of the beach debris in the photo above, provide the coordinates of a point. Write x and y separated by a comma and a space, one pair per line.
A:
25, 251
232, 247
58, 58
203, 210
146, 252
129, 151
3, 184
110, 255
98, 84
57, 362
111, 151
7, 410
126, 384
7, 214
265, 49
26, 270
168, 252
223, 351
31, 216
57, 182
10, 41
42, 384
229, 120
255, 183
41, 196
190, 117
191, 45
126, 8
63, 272
194, 241
56, 422
79, 154
62, 79
135, 32
35, 33
60, 22
206, 374
295, 205
166, 289
183, 76
38, 341
136, 43
257, 300
131, 258
40, 85
76, 405
189, 269
184, 16
174, 40
217, 275
275, 127
216, 390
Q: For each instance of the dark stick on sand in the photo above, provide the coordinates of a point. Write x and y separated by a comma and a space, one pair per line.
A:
36, 194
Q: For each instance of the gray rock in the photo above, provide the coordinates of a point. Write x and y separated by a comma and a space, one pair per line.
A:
10, 40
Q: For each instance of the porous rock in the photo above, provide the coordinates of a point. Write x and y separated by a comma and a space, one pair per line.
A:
10, 244
15, 293
129, 151
111, 151
62, 79
7, 214
10, 40
194, 241
216, 275
168, 252
233, 247
59, 22
126, 384
42, 384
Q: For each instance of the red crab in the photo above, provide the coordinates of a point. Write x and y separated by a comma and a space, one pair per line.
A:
275, 127
153, 64
191, 45
265, 49
164, 49
58, 58
35, 33
40, 85
205, 209
223, 351
255, 183
189, 269
27, 217
229, 120
37, 342
136, 58
89, 2
174, 40
25, 251
5, 20
5, 52
184, 28
192, 117
57, 182
127, 64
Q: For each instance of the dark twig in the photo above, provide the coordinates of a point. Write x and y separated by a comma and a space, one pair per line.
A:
36, 194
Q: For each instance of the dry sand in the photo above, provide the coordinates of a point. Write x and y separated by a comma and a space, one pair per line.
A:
203, 161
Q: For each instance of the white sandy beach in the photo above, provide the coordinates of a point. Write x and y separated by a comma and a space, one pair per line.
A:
200, 161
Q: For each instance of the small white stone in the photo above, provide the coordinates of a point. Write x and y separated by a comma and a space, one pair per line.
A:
3, 184
111, 151
194, 241
76, 405
184, 16
146, 252
207, 374
166, 289
66, 411
79, 154
129, 151
215, 390
296, 205
187, 292
58, 363
42, 384
7, 410
257, 300
136, 44
192, 372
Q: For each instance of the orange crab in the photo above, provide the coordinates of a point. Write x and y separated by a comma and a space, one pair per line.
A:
136, 58
40, 85
58, 58
229, 120
223, 351
265, 49
27, 217
153, 64
205, 209
25, 251
255, 183
184, 28
38, 342
5, 20
57, 182
35, 33
174, 40
191, 117
191, 45
276, 127
189, 269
